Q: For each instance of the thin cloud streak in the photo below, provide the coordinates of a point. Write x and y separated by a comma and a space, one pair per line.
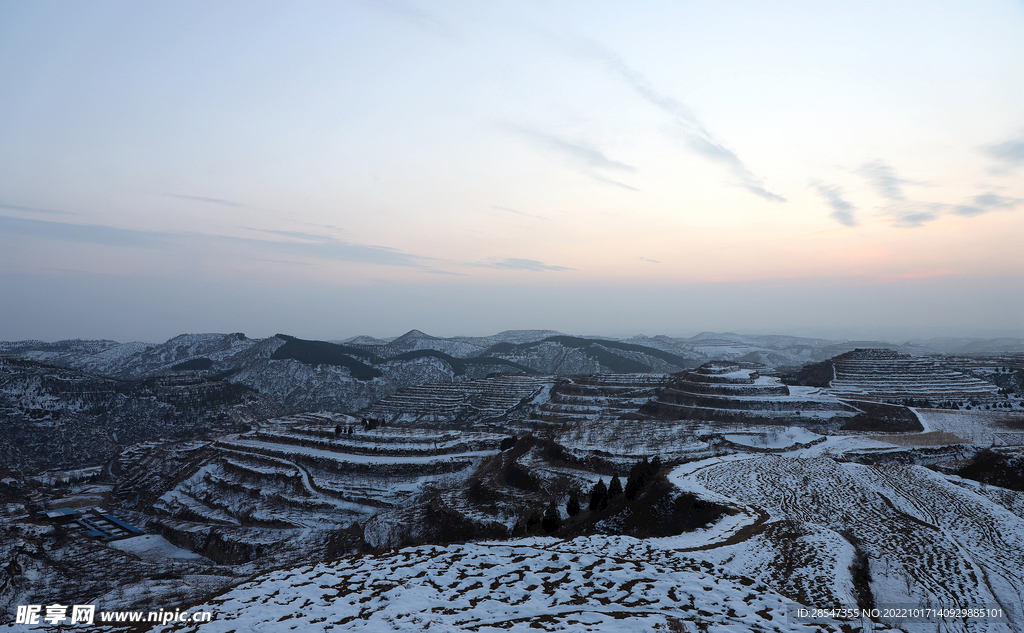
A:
610, 181
335, 250
842, 211
917, 214
581, 157
225, 203
515, 263
698, 137
413, 16
319, 248
323, 248
83, 233
12, 207
517, 212
884, 179
312, 237
577, 152
987, 202
1010, 153
912, 215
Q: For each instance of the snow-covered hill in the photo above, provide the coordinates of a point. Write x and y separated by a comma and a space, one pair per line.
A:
351, 375
64, 418
810, 530
529, 585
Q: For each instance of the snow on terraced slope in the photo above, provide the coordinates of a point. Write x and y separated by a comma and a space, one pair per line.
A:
472, 400
887, 375
286, 488
978, 427
927, 539
599, 396
633, 440
801, 526
522, 586
731, 392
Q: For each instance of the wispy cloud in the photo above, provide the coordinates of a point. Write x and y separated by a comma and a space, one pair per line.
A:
697, 137
715, 151
884, 179
12, 207
987, 202
313, 246
284, 262
517, 212
1010, 154
914, 215
83, 233
610, 181
340, 251
514, 263
910, 214
647, 259
225, 203
842, 211
312, 237
413, 15
577, 154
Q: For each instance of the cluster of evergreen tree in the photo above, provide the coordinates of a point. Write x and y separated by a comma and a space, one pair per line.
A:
919, 403
572, 506
550, 522
640, 475
599, 496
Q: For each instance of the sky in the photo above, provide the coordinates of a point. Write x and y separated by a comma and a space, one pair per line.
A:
332, 169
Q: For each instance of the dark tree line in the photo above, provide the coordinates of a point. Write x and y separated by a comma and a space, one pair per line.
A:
640, 476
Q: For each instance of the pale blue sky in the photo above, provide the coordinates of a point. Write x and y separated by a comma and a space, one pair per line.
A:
340, 168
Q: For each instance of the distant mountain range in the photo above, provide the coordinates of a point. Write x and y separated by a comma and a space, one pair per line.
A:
352, 374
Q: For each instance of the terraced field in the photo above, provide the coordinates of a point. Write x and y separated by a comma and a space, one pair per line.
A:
809, 529
735, 393
599, 397
291, 483
460, 402
635, 439
886, 375
984, 428
928, 540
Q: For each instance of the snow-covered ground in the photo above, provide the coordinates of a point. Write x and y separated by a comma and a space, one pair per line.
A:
928, 540
978, 427
800, 521
778, 438
153, 547
588, 584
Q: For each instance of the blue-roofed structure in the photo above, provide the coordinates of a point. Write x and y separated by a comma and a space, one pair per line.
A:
93, 529
60, 513
131, 529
